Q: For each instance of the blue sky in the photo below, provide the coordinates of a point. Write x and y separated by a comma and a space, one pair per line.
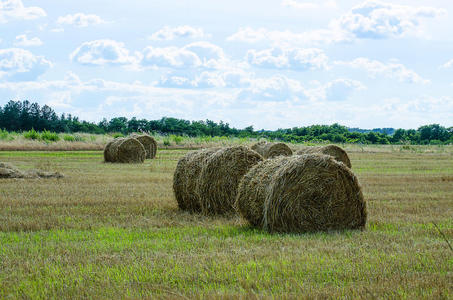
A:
269, 63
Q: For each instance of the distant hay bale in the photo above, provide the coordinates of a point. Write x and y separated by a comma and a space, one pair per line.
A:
130, 150
336, 152
271, 150
252, 189
308, 193
220, 175
185, 179
149, 143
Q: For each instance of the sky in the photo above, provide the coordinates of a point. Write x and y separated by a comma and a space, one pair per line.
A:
267, 63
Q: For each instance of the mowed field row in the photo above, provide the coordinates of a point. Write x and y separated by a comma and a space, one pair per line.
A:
114, 231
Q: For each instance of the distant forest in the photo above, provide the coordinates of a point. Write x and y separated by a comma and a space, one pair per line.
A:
22, 116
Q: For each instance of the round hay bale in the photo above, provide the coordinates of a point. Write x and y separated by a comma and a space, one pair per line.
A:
271, 150
129, 150
253, 187
149, 143
107, 153
313, 192
220, 175
336, 152
185, 179
256, 145
111, 150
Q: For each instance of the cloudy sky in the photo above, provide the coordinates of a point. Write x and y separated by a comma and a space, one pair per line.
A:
268, 63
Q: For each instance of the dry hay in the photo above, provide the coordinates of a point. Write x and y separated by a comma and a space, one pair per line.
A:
338, 153
130, 150
271, 150
220, 175
10, 171
149, 143
185, 179
252, 189
124, 150
108, 154
111, 150
308, 193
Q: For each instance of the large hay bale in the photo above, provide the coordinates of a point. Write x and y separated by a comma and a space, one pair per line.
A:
220, 175
149, 143
271, 150
130, 150
185, 179
336, 152
108, 155
111, 150
252, 189
309, 193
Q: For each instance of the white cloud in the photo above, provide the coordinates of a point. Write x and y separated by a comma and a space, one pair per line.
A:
341, 89
80, 20
276, 89
390, 70
287, 38
171, 33
15, 10
194, 55
309, 5
23, 41
369, 20
170, 57
377, 20
447, 65
21, 65
293, 59
103, 52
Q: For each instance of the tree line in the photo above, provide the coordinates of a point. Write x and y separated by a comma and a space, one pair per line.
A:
22, 116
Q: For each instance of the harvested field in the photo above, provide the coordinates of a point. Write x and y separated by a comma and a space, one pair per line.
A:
115, 231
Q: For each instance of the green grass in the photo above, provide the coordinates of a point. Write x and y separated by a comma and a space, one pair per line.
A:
114, 231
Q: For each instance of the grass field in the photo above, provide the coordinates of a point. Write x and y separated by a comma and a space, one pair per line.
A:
114, 231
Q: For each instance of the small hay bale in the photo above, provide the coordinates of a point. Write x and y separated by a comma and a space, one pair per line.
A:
271, 150
10, 173
220, 175
42, 174
336, 152
252, 189
313, 192
149, 143
108, 155
130, 150
185, 179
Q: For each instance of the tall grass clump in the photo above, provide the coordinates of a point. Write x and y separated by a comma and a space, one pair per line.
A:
49, 136
31, 135
68, 138
4, 135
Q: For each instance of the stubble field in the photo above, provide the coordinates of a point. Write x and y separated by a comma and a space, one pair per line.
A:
114, 231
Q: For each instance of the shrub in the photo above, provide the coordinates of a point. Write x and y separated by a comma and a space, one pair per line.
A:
49, 136
167, 142
31, 134
177, 139
117, 135
4, 135
69, 138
